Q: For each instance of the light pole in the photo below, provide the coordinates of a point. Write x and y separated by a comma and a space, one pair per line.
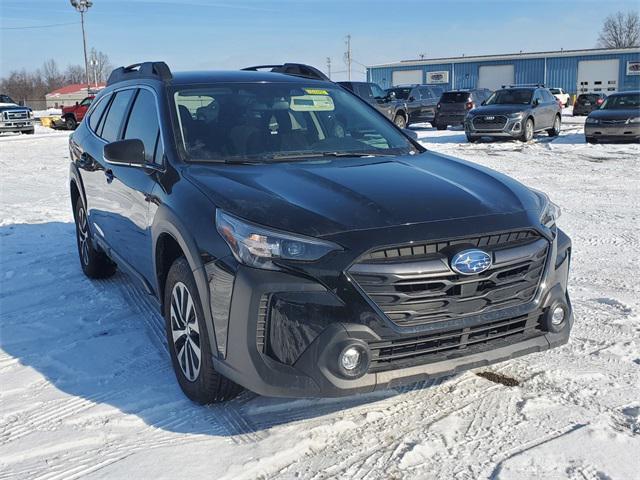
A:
82, 6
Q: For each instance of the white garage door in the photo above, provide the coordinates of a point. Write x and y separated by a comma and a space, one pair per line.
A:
494, 76
598, 76
406, 77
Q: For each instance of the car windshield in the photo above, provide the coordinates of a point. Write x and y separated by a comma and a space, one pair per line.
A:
511, 96
622, 102
454, 97
258, 122
6, 99
589, 97
400, 92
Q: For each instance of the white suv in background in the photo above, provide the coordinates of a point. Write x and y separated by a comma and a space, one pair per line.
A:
561, 95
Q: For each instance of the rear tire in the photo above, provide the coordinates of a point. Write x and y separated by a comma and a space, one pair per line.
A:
440, 127
591, 140
70, 123
555, 130
188, 340
94, 262
400, 121
527, 131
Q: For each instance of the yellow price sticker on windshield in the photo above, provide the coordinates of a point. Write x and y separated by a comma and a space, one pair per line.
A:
315, 91
312, 103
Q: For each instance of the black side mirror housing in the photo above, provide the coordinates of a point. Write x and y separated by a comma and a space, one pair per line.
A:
411, 99
125, 152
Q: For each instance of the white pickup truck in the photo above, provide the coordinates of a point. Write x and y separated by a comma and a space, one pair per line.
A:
561, 95
14, 118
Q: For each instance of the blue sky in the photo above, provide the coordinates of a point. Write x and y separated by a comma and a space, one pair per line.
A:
229, 34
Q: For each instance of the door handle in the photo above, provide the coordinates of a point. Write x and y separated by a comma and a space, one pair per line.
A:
109, 175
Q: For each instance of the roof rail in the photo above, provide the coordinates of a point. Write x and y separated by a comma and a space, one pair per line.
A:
156, 70
296, 69
539, 85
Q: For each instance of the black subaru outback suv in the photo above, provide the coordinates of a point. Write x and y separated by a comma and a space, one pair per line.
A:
515, 112
300, 244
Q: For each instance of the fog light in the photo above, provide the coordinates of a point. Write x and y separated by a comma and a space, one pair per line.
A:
557, 317
353, 360
350, 359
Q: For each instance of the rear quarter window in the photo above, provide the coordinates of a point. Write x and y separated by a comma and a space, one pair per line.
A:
96, 113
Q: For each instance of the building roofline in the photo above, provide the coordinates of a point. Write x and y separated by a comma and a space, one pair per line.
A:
509, 56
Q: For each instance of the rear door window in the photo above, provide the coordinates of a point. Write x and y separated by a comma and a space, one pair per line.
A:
98, 110
143, 123
115, 115
364, 91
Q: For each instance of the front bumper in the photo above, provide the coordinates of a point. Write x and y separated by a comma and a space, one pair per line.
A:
309, 325
614, 132
512, 128
16, 126
450, 118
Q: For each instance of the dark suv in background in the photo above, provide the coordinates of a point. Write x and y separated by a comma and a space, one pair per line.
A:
587, 103
374, 95
414, 103
299, 244
454, 105
515, 112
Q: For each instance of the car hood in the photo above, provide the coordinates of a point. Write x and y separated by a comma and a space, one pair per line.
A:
615, 114
498, 109
327, 197
11, 106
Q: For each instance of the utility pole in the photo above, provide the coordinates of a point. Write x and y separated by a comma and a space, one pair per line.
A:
94, 64
82, 6
329, 67
347, 56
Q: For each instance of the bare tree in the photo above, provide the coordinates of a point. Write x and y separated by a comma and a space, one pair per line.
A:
51, 75
620, 30
74, 74
99, 66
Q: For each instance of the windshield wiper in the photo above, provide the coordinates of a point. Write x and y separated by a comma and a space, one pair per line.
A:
283, 157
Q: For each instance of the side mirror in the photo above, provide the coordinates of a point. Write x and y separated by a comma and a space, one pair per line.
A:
536, 102
410, 133
125, 152
77, 104
412, 98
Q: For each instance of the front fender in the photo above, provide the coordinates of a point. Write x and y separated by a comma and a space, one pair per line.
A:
166, 221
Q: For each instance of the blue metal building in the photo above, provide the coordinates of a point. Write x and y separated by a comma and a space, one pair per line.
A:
575, 71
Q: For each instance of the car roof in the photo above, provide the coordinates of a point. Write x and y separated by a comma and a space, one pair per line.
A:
633, 92
232, 76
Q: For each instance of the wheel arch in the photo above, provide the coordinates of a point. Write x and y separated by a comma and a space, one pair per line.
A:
171, 240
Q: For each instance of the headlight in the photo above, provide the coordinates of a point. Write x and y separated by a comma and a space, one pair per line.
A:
550, 212
258, 246
634, 120
592, 120
517, 115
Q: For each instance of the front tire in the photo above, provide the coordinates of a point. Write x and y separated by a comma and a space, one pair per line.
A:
554, 131
29, 132
440, 126
527, 131
471, 138
400, 121
94, 262
188, 340
70, 123
591, 140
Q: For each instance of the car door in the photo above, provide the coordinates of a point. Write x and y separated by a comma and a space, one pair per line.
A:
428, 103
414, 106
540, 111
130, 190
104, 126
381, 101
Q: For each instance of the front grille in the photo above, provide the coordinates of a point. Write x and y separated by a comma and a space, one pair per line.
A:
16, 114
414, 285
614, 122
405, 352
489, 122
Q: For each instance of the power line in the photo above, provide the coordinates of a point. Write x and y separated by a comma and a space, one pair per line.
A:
39, 26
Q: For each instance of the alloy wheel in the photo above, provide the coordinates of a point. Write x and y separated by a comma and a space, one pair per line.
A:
529, 130
185, 331
83, 236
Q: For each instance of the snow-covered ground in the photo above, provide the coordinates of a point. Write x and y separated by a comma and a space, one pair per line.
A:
87, 390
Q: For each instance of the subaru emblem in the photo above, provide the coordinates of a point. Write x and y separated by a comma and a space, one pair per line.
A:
471, 262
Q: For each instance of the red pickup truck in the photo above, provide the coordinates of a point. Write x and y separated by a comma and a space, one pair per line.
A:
72, 116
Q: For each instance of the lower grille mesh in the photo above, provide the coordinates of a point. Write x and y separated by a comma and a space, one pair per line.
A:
386, 355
